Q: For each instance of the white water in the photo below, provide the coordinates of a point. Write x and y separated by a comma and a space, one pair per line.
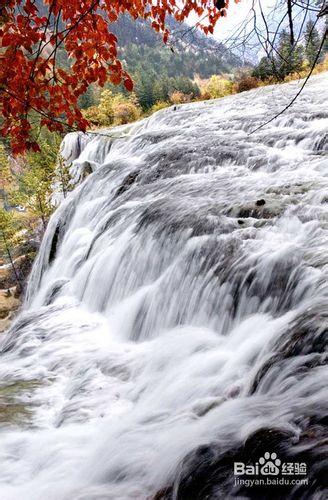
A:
141, 340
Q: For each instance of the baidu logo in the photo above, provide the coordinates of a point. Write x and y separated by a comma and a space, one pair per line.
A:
270, 464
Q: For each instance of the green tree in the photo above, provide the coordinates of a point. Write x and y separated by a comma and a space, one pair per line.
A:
62, 176
186, 86
9, 238
265, 68
290, 57
160, 91
325, 32
35, 183
144, 90
312, 43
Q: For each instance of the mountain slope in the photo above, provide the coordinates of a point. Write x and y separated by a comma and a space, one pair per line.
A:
188, 53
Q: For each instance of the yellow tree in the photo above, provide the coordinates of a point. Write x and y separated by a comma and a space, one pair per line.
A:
218, 86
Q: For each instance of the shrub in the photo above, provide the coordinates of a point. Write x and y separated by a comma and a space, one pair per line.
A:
246, 82
125, 112
323, 66
159, 105
179, 97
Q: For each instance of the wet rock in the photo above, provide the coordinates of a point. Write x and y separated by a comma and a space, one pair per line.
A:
5, 324
169, 218
87, 170
127, 183
28, 247
12, 409
291, 189
260, 203
307, 335
256, 210
5, 274
322, 143
23, 265
164, 494
208, 471
8, 304
55, 290
54, 244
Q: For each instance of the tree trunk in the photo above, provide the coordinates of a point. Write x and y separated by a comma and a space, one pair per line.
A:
42, 213
290, 19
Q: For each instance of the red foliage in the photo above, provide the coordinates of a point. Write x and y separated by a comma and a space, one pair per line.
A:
30, 79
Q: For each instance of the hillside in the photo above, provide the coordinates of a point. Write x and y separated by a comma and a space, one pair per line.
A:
188, 52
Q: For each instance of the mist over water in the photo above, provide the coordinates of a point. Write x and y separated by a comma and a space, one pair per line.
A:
176, 316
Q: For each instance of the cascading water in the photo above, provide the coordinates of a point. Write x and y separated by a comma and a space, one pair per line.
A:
177, 313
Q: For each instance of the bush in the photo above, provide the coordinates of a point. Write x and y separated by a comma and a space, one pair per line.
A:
179, 97
323, 66
159, 105
246, 82
125, 112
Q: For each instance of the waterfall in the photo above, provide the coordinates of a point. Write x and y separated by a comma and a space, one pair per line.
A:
177, 313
